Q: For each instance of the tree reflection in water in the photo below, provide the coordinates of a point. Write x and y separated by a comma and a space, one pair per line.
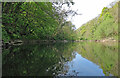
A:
57, 59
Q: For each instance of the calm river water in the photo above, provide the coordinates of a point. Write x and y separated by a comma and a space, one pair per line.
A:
61, 59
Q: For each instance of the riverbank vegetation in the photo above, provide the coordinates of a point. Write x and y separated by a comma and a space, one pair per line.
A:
32, 23
46, 21
102, 27
36, 21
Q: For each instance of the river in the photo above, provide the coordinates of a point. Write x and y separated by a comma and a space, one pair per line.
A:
61, 59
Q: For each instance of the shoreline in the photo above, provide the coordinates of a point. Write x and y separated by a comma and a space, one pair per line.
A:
19, 42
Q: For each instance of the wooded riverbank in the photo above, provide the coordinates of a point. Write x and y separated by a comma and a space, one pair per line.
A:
19, 42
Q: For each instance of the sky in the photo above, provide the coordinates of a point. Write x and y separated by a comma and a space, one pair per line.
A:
89, 10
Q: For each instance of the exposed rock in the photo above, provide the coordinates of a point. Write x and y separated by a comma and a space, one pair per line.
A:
17, 42
13, 42
65, 41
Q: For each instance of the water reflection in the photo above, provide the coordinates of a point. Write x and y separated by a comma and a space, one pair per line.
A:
80, 66
61, 59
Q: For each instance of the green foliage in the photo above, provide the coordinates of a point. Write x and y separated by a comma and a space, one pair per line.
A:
6, 37
33, 20
104, 26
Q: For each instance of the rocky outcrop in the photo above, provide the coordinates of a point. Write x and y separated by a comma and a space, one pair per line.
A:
13, 42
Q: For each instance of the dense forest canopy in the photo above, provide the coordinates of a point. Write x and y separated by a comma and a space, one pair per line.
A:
36, 20
48, 21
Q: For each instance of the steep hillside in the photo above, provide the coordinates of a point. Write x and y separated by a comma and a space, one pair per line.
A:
35, 21
102, 27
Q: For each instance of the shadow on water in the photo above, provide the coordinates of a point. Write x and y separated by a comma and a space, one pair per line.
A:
60, 59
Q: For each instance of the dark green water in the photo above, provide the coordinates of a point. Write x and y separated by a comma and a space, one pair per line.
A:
61, 59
